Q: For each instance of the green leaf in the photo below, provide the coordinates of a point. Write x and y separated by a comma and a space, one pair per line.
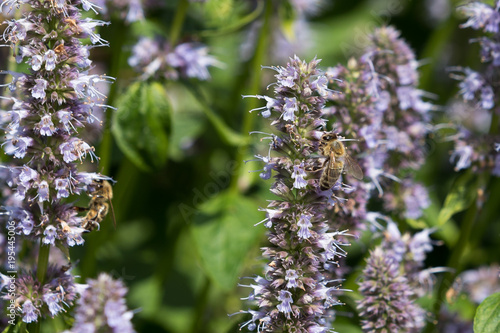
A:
141, 125
460, 197
14, 328
487, 319
223, 231
227, 134
219, 12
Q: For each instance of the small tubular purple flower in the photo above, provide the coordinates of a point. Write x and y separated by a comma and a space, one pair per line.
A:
481, 16
298, 174
291, 278
289, 109
52, 301
46, 126
62, 187
18, 146
271, 103
43, 191
50, 59
39, 88
285, 297
304, 225
472, 82
50, 234
30, 313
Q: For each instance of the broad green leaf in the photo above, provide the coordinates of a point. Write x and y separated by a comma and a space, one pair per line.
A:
141, 125
460, 197
223, 231
487, 319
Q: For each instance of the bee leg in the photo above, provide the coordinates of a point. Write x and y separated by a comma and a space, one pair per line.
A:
91, 225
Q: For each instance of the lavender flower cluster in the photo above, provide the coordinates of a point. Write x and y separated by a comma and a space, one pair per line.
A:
479, 150
296, 291
49, 106
380, 104
392, 281
34, 298
156, 58
102, 305
57, 98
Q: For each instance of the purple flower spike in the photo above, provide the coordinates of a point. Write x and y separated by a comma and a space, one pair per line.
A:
102, 307
294, 295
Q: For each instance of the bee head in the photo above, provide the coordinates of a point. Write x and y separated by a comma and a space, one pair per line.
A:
329, 136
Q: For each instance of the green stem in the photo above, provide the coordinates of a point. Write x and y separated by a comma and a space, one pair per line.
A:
494, 122
43, 262
225, 132
236, 26
41, 273
200, 307
178, 22
254, 88
455, 262
119, 33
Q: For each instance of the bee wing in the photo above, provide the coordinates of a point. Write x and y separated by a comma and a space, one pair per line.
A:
112, 213
352, 167
331, 160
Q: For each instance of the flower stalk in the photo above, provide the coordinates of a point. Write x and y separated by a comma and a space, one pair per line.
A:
298, 288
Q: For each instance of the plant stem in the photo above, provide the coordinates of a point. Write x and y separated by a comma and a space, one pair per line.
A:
225, 132
119, 31
201, 303
41, 273
254, 88
454, 262
43, 262
178, 22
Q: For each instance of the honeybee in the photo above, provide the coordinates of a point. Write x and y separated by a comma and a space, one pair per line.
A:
337, 162
100, 201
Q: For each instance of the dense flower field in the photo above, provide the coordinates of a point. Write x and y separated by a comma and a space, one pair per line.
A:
263, 165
